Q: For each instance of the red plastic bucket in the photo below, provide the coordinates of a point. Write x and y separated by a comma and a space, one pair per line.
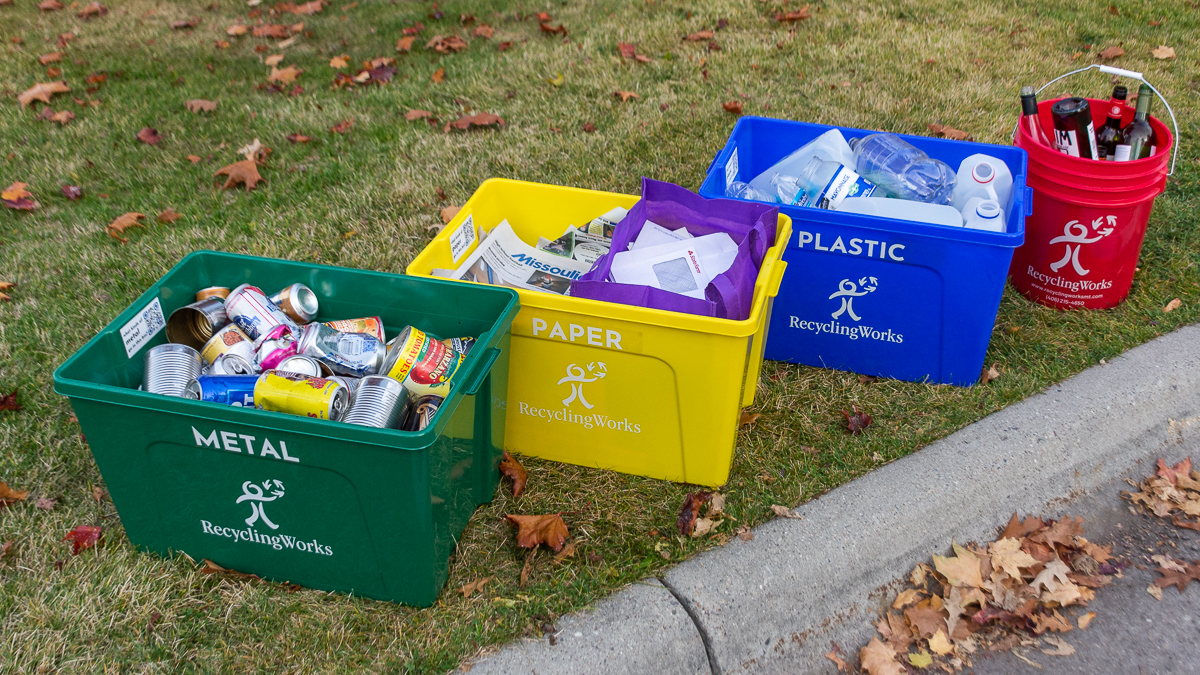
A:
1089, 218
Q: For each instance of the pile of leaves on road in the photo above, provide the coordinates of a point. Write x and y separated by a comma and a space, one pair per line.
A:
1173, 494
1014, 593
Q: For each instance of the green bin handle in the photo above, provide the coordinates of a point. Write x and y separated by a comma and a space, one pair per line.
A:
472, 382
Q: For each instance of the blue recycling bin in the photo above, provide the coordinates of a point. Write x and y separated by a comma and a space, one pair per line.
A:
880, 296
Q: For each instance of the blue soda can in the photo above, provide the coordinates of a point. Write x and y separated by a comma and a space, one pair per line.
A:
235, 390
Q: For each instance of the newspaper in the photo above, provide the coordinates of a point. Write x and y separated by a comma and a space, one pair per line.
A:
503, 259
577, 245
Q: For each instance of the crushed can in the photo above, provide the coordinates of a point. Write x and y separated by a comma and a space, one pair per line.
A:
355, 354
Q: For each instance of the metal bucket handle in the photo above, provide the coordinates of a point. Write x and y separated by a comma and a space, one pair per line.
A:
1120, 72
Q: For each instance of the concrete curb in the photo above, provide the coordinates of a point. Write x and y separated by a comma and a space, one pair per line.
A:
773, 604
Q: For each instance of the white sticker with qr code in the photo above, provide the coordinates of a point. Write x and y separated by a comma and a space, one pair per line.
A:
731, 168
462, 238
142, 327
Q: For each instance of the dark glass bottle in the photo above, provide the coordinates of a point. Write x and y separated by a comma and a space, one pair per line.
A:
1109, 135
1138, 140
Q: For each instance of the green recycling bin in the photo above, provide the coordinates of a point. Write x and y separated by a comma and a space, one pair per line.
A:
327, 505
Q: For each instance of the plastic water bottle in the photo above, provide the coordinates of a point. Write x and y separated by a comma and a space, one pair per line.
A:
822, 184
902, 170
739, 190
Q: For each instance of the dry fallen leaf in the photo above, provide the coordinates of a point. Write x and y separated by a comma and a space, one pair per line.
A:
439, 75
9, 496
545, 529
42, 91
92, 9
45, 503
478, 120
625, 95
185, 23
8, 401
989, 374
445, 44
83, 537
1163, 52
856, 421
168, 215
1061, 648
72, 192
503, 46
701, 36
785, 512
797, 15
342, 127
237, 29
149, 135
417, 114
298, 138
513, 469
307, 8
950, 132
123, 222
1172, 305
961, 570
1111, 53
477, 585
832, 655
405, 44
271, 30
200, 105
748, 418
211, 567
879, 659
50, 5
1086, 619
567, 552
15, 196
50, 58
734, 107
553, 30
284, 76
244, 172
907, 597
483, 31
339, 61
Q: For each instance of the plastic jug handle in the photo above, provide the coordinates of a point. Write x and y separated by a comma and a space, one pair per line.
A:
482, 367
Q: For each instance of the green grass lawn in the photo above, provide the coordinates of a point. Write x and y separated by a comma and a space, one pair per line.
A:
367, 198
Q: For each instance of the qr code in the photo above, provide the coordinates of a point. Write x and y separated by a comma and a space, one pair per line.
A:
153, 317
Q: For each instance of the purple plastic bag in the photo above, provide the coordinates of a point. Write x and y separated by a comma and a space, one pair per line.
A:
730, 295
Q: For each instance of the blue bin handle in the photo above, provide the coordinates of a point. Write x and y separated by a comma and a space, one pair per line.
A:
714, 161
483, 366
1028, 201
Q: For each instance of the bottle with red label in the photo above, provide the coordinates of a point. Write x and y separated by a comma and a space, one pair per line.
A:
1109, 135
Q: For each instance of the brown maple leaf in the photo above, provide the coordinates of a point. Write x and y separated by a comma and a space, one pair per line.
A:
405, 44
8, 401
194, 159
168, 215
477, 585
1172, 473
747, 418
271, 30
307, 8
856, 421
793, 16
126, 221
285, 76
83, 537
97, 78
503, 46
211, 567
185, 23
627, 50
45, 503
625, 95
50, 58
961, 570
700, 36
15, 196
149, 135
412, 115
879, 659
9, 496
92, 9
690, 510
1061, 532
342, 127
448, 214
1111, 53
339, 62
950, 132
298, 138
273, 60
439, 75
553, 30
513, 469
237, 29
483, 31
414, 29
734, 107
989, 374
466, 122
445, 44
200, 105
72, 192
535, 530
244, 172
926, 620
1016, 529
42, 91
50, 5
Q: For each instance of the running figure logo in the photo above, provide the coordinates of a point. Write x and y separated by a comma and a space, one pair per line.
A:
254, 494
1075, 235
848, 291
577, 378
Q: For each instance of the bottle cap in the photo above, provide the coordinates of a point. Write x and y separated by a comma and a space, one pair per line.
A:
1028, 101
983, 173
988, 209
1120, 92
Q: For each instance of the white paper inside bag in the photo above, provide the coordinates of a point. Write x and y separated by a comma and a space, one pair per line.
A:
653, 234
685, 267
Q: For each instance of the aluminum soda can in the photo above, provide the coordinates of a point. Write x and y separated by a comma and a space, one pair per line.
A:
356, 354
350, 383
298, 302
273, 347
378, 402
229, 340
234, 390
304, 365
1074, 133
461, 345
254, 313
170, 367
422, 411
301, 395
212, 292
425, 365
371, 325
195, 324
231, 364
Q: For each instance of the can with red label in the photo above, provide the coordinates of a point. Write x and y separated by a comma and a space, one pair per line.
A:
273, 347
301, 395
423, 363
371, 325
254, 313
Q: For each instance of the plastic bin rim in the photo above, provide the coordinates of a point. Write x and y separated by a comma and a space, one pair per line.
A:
614, 311
217, 413
896, 225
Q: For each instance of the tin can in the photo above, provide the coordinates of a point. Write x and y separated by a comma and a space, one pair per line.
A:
273, 347
372, 325
231, 364
194, 324
378, 402
170, 367
212, 292
356, 354
301, 395
298, 302
425, 365
229, 340
422, 412
350, 383
254, 313
234, 390
303, 365
1074, 133
461, 345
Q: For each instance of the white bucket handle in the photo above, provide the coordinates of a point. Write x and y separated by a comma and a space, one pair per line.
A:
1121, 72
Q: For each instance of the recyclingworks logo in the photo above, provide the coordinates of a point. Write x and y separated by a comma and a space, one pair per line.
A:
256, 494
846, 293
577, 377
1075, 235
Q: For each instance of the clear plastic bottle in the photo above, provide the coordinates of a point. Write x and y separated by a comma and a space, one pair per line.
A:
821, 184
739, 190
902, 170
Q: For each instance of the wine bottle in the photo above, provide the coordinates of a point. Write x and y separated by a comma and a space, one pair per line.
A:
1029, 117
1109, 135
1138, 140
